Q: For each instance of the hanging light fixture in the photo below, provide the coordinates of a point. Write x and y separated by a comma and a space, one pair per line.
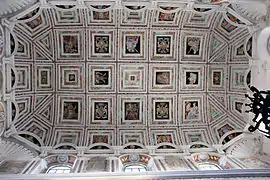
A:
260, 107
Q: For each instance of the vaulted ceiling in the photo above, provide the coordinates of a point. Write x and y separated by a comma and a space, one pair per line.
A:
97, 74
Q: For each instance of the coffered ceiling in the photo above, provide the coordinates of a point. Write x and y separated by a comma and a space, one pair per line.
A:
96, 74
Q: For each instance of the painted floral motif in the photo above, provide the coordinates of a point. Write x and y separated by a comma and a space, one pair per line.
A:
163, 45
162, 110
101, 44
101, 111
132, 111
101, 77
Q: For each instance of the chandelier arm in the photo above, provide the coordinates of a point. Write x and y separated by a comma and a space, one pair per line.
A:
267, 123
253, 128
255, 117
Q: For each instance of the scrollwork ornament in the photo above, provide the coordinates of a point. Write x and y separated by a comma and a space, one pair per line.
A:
63, 158
203, 157
134, 157
1, 41
2, 116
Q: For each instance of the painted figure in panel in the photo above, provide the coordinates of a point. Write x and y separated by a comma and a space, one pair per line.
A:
132, 111
44, 77
70, 110
224, 129
191, 110
133, 44
101, 15
164, 138
70, 44
217, 78
193, 45
192, 78
238, 106
100, 138
166, 16
35, 23
162, 78
239, 78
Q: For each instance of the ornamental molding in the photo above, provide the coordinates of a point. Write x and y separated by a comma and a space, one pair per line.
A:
12, 151
248, 146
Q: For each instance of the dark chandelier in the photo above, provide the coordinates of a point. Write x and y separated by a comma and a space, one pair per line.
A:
260, 107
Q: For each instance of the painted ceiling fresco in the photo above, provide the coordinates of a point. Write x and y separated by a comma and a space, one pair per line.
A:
173, 74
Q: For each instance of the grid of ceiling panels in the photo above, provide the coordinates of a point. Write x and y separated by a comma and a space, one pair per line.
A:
100, 75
